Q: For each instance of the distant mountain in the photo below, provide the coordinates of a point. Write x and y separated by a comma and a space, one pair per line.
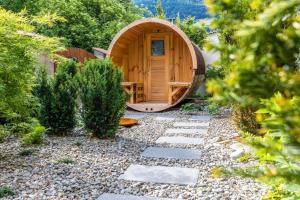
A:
185, 8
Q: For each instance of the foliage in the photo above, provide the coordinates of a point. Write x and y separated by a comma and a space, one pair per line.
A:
19, 47
102, 97
160, 13
35, 136
213, 108
86, 24
172, 8
214, 72
26, 152
245, 119
244, 158
196, 32
57, 97
192, 107
6, 192
18, 60
262, 77
78, 143
66, 161
4, 133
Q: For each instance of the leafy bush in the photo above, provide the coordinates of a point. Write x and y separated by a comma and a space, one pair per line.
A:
192, 107
196, 32
263, 78
4, 133
214, 72
102, 97
18, 63
57, 97
213, 108
26, 152
35, 136
6, 191
245, 119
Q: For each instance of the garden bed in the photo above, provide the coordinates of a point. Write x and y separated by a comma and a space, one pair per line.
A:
77, 167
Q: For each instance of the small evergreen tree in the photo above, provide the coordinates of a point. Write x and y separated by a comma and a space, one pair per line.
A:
102, 97
160, 13
58, 98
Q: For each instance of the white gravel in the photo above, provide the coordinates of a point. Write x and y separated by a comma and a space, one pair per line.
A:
98, 165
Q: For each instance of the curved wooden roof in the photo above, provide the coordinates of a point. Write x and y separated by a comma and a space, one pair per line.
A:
163, 23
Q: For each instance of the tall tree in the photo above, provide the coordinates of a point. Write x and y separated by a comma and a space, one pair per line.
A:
88, 23
160, 13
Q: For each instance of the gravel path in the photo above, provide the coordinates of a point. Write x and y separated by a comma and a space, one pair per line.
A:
98, 164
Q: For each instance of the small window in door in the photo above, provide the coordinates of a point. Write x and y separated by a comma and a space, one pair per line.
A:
158, 48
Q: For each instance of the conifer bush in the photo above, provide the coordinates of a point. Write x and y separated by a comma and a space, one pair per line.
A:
57, 97
103, 98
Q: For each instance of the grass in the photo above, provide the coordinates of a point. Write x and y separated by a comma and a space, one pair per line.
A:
66, 161
6, 191
26, 152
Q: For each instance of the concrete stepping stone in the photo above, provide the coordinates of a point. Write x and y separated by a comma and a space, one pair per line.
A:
135, 116
174, 153
191, 124
161, 174
107, 196
186, 131
200, 118
164, 118
180, 140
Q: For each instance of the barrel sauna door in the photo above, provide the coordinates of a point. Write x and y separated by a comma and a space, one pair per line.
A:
157, 67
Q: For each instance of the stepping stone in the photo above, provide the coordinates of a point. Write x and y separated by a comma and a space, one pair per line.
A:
174, 153
180, 140
161, 174
135, 116
186, 131
191, 124
107, 196
200, 118
164, 118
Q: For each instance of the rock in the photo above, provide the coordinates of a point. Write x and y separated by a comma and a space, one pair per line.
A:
98, 164
237, 154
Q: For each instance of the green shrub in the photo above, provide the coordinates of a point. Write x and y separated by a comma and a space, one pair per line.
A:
102, 96
18, 61
192, 107
245, 119
4, 133
196, 32
35, 136
66, 160
57, 96
26, 152
263, 79
6, 191
213, 108
214, 72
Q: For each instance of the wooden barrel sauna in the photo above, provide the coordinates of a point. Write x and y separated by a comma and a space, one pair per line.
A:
160, 63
